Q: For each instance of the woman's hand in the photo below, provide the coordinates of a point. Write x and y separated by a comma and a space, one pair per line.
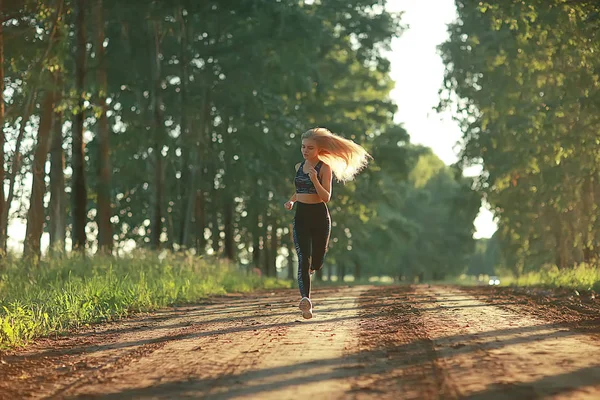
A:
312, 174
289, 205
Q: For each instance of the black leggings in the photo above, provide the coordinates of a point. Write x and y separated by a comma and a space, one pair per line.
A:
312, 226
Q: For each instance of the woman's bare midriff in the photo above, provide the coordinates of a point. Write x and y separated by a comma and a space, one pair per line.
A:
308, 198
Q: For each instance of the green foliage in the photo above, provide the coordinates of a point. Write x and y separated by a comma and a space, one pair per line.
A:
64, 293
420, 220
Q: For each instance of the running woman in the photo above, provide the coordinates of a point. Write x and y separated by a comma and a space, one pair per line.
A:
325, 155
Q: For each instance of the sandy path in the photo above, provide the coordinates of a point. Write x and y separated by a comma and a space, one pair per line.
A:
364, 343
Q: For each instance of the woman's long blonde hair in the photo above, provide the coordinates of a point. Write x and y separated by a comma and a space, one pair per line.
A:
345, 157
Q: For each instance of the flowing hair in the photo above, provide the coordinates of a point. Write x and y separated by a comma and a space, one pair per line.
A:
345, 157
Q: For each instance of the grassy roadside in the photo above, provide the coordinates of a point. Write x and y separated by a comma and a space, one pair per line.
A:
69, 292
582, 276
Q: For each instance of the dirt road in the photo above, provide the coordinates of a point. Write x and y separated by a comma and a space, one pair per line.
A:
416, 342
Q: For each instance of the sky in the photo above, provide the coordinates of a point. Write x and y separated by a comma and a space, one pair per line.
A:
418, 71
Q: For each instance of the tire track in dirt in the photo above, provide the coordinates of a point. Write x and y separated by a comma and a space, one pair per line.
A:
491, 352
577, 309
396, 354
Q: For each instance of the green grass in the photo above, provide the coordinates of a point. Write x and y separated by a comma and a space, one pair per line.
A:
582, 276
64, 293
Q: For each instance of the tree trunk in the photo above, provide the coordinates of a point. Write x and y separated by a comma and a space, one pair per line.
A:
290, 263
156, 222
58, 210
195, 214
291, 251
170, 228
186, 197
79, 189
357, 271
341, 271
16, 166
200, 221
201, 140
3, 204
228, 229
588, 220
560, 251
186, 192
214, 229
274, 247
256, 242
35, 215
189, 202
215, 234
319, 275
104, 212
266, 252
57, 185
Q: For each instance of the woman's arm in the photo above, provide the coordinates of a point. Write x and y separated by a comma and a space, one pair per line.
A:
290, 203
323, 189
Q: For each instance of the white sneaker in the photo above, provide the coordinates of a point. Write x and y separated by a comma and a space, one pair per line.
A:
306, 307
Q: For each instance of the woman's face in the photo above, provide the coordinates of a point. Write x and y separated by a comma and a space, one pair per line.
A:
310, 150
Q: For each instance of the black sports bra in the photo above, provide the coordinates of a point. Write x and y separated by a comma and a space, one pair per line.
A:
302, 180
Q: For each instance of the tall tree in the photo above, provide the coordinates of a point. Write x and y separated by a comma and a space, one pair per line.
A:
35, 215
104, 212
57, 214
2, 137
158, 131
78, 183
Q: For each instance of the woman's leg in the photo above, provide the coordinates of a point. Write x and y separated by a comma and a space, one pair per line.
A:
302, 242
320, 231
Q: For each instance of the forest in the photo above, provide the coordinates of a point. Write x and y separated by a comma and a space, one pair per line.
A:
174, 126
